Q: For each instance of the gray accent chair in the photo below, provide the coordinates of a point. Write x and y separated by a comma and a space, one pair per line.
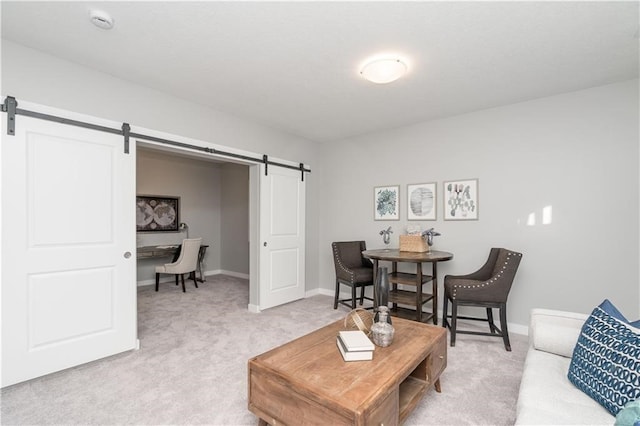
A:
352, 269
488, 288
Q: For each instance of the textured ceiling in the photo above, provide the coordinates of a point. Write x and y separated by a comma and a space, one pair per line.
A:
294, 66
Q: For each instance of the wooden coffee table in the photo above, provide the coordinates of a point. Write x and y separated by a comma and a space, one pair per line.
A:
306, 382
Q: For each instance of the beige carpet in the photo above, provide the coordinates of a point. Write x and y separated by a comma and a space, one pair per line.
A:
192, 367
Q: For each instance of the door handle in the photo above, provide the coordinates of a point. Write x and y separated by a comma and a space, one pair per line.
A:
127, 254
264, 244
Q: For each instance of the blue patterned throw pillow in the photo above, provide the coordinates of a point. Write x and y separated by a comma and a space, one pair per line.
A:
606, 360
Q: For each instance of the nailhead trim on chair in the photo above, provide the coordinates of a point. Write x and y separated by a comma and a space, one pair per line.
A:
485, 283
344, 268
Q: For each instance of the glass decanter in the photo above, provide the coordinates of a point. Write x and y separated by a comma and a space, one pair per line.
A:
382, 331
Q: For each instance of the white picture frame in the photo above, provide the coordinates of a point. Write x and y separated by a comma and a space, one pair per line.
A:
461, 200
422, 201
386, 202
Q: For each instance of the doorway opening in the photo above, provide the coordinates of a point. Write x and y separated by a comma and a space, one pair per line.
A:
214, 196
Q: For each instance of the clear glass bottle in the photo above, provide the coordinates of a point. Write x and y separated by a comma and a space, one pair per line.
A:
381, 293
382, 331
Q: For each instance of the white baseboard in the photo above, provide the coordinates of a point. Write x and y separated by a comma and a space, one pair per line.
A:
513, 327
163, 279
518, 329
169, 278
230, 273
317, 291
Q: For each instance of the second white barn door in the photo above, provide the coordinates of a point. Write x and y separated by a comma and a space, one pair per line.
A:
282, 236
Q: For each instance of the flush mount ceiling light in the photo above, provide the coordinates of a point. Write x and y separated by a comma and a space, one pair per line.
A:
383, 70
101, 19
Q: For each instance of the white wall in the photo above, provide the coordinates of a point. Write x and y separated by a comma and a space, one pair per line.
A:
31, 75
234, 230
576, 152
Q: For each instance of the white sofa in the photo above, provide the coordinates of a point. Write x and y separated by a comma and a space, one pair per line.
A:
546, 396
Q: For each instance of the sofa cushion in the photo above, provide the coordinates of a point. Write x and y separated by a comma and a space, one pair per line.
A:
555, 331
606, 360
557, 339
546, 397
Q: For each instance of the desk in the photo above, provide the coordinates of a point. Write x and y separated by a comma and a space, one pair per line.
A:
418, 298
168, 250
157, 251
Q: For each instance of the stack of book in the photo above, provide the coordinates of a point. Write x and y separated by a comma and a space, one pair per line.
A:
355, 346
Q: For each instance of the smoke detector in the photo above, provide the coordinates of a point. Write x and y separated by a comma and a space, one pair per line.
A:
101, 19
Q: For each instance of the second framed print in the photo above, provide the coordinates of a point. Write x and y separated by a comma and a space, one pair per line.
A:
421, 201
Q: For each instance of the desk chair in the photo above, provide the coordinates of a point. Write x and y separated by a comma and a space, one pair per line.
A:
187, 263
488, 287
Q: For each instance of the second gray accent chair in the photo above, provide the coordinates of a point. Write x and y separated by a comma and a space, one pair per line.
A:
488, 288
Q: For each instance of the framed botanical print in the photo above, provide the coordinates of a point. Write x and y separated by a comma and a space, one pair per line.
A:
421, 201
386, 202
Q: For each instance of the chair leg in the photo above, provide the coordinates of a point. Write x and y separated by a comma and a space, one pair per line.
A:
492, 325
362, 295
177, 279
353, 296
157, 280
503, 325
193, 276
454, 320
183, 289
335, 298
445, 309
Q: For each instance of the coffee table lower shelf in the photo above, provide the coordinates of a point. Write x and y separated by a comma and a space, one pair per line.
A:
411, 391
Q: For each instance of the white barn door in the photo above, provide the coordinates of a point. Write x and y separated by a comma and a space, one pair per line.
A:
282, 236
68, 248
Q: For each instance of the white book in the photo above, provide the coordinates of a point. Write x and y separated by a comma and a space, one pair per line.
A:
355, 341
353, 356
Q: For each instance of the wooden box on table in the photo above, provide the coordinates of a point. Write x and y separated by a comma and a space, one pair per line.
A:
414, 243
